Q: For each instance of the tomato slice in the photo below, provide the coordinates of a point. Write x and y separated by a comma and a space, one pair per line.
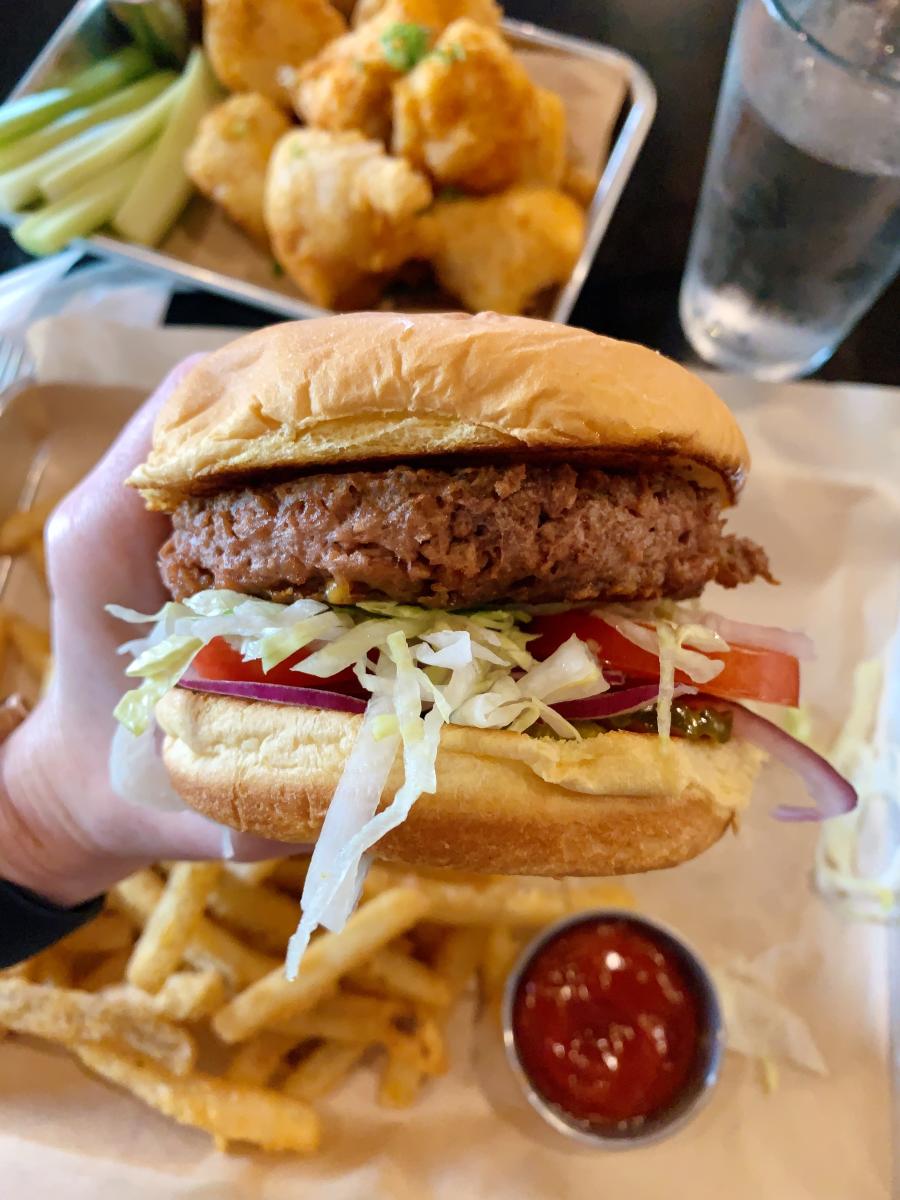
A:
219, 660
750, 673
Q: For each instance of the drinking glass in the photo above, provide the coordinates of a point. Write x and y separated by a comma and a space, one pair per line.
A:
798, 227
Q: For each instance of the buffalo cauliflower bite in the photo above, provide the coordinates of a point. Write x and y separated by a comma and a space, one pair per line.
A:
228, 157
339, 211
544, 154
469, 114
485, 12
348, 85
256, 45
497, 252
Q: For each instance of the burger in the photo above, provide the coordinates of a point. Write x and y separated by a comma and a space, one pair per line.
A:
435, 587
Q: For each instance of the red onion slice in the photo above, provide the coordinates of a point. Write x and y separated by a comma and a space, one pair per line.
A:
831, 793
277, 693
762, 637
616, 703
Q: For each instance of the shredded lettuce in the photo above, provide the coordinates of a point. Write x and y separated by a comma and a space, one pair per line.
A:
858, 854
669, 639
423, 669
328, 895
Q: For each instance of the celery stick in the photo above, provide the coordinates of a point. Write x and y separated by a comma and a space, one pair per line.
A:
27, 113
130, 133
162, 189
124, 101
80, 212
22, 185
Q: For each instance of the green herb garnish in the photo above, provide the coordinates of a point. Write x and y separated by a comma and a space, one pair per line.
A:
405, 44
450, 55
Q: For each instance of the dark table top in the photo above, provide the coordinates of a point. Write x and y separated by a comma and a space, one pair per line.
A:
632, 290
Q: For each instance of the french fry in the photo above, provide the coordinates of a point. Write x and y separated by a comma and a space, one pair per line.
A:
20, 528
107, 932
210, 946
31, 643
229, 1111
290, 874
168, 930
185, 996
328, 958
51, 968
401, 1081
239, 964
409, 1062
38, 557
264, 913
322, 1070
190, 995
110, 970
501, 948
344, 1017
136, 896
69, 1016
19, 970
506, 901
458, 958
390, 972
256, 1060
254, 872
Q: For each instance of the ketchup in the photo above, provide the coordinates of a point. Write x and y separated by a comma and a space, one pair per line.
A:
606, 1024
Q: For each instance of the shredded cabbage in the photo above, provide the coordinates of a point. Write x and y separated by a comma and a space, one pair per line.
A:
422, 668
669, 640
858, 854
329, 896
758, 1025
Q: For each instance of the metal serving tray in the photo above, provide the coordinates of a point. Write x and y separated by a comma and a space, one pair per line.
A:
205, 250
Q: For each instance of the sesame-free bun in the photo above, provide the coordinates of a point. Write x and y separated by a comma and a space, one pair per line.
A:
506, 802
375, 387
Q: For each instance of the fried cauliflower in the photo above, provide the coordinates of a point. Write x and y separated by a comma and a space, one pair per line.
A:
228, 157
498, 252
485, 12
256, 45
469, 114
348, 85
544, 154
340, 211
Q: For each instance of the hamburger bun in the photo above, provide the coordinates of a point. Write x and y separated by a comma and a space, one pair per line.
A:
369, 387
505, 802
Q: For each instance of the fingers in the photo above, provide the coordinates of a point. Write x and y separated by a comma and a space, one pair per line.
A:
142, 836
102, 548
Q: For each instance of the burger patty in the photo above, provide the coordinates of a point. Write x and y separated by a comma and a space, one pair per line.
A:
460, 537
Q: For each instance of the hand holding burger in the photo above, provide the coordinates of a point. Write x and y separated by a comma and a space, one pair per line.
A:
64, 833
431, 581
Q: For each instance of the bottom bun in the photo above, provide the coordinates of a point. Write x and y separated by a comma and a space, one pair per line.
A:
506, 802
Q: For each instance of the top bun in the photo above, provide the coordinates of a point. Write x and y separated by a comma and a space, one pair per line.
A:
366, 387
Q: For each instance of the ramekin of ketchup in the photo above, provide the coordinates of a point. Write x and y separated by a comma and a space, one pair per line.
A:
612, 1027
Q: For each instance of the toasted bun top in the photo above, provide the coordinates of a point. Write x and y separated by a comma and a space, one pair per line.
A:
367, 387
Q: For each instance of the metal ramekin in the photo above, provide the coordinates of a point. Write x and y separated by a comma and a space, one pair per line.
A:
703, 1076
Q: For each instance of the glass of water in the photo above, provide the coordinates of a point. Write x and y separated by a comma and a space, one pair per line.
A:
798, 227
